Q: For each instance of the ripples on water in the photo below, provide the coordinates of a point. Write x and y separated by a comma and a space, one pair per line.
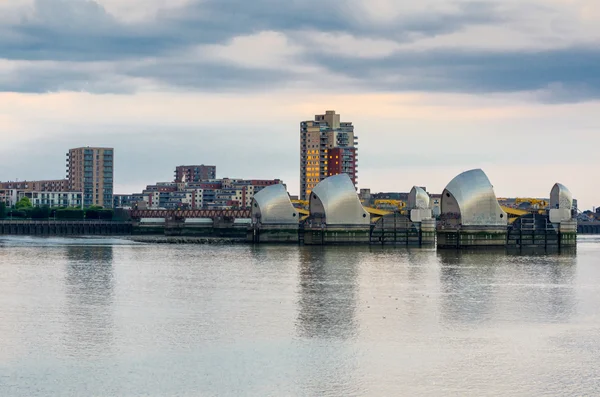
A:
106, 317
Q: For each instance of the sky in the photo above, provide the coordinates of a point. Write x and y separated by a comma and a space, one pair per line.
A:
433, 87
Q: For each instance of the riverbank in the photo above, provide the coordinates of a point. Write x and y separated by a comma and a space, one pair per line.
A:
186, 240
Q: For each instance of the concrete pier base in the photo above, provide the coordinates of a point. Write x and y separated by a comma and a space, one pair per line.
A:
568, 233
428, 233
273, 234
64, 228
472, 237
340, 235
397, 229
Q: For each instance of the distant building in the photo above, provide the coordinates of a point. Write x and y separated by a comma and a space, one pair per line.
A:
195, 173
55, 199
215, 193
365, 196
328, 147
55, 185
390, 196
91, 171
435, 201
8, 197
39, 199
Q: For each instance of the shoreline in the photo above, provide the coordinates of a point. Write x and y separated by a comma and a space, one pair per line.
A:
186, 240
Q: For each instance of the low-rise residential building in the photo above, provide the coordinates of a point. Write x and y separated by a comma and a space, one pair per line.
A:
213, 193
10, 197
53, 185
55, 199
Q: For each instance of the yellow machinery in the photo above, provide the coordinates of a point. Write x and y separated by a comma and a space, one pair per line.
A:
301, 203
390, 204
513, 213
376, 213
303, 214
537, 203
302, 208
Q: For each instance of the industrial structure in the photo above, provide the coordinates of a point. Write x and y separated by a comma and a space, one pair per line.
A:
274, 217
470, 213
336, 214
471, 217
328, 147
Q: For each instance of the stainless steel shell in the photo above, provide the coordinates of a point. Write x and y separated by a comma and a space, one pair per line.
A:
335, 199
470, 197
418, 199
561, 197
272, 205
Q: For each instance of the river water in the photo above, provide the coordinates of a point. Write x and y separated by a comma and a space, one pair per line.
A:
106, 317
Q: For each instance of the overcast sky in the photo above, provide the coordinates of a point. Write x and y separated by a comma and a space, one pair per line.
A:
434, 87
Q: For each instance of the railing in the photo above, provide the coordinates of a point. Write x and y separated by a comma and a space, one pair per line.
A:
60, 221
183, 214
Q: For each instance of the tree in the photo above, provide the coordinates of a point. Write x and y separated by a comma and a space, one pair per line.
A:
98, 213
69, 213
40, 212
2, 210
23, 203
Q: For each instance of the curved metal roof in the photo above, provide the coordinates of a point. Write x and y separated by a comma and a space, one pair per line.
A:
471, 195
335, 198
418, 199
561, 197
272, 205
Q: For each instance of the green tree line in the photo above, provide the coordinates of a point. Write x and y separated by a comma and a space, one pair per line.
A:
23, 209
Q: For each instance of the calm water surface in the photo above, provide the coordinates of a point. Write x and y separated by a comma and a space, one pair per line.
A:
89, 317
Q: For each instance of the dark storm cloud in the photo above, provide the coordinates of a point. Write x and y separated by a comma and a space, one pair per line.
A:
82, 31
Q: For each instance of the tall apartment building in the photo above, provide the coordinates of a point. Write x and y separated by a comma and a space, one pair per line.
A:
195, 173
328, 147
91, 170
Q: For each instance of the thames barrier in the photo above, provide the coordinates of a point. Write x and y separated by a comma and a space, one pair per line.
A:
470, 217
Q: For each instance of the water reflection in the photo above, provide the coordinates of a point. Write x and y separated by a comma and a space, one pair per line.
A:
480, 287
89, 297
327, 292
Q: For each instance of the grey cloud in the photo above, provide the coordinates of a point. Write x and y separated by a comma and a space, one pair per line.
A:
34, 79
178, 74
568, 74
71, 30
82, 31
210, 77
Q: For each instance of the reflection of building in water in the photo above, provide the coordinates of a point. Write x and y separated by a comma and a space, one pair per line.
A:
465, 284
89, 293
480, 286
328, 292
